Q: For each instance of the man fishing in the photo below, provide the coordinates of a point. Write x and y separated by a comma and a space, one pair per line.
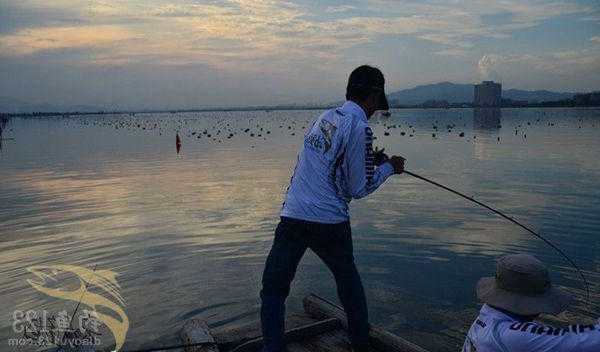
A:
518, 294
336, 164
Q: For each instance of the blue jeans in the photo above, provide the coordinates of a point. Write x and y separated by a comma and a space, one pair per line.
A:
333, 244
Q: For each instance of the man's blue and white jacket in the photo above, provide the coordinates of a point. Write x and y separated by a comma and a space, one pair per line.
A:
335, 164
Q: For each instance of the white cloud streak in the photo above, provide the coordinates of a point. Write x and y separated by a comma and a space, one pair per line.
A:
295, 45
240, 32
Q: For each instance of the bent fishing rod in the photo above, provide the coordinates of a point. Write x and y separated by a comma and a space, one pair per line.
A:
498, 212
471, 199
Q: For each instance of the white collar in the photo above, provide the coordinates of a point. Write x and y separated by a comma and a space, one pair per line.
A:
488, 310
355, 109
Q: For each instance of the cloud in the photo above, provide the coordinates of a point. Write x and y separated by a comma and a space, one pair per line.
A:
571, 61
591, 17
595, 39
239, 32
487, 68
573, 64
340, 8
286, 40
29, 41
453, 52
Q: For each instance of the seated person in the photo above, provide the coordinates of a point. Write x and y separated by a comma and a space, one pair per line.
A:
519, 293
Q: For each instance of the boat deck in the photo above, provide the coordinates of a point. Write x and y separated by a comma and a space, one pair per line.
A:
322, 327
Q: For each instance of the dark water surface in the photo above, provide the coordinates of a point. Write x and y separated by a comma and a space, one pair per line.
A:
188, 234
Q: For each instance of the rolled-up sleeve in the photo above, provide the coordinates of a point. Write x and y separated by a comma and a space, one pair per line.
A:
363, 178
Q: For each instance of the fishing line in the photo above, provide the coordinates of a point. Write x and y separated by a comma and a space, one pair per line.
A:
498, 212
80, 298
76, 307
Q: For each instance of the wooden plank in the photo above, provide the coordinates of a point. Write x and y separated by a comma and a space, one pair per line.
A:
196, 331
379, 338
295, 334
332, 341
228, 337
297, 347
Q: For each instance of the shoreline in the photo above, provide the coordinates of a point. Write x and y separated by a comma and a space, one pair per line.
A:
274, 108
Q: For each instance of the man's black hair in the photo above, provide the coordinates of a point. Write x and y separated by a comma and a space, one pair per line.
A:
363, 81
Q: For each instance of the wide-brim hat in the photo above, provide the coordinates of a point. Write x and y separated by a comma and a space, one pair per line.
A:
522, 286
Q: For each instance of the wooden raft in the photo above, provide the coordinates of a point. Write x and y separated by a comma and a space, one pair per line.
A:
322, 328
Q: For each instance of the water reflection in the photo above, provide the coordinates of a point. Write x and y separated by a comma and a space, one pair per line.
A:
487, 119
3, 124
486, 125
188, 234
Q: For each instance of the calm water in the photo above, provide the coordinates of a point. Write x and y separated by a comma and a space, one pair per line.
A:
188, 234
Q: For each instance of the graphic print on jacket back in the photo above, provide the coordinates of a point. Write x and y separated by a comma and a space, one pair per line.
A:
321, 141
335, 164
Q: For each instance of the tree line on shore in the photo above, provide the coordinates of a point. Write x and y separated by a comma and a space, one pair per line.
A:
578, 100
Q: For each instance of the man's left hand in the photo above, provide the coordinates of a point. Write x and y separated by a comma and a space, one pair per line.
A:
380, 156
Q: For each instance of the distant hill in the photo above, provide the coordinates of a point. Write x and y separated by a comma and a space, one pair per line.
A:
11, 105
534, 96
451, 92
463, 93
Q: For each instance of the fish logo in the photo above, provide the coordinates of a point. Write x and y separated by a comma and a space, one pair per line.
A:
103, 279
328, 130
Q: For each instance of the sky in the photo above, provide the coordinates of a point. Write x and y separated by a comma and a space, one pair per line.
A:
187, 54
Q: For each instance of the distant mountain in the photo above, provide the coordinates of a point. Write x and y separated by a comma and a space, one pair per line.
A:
451, 92
11, 105
534, 96
463, 93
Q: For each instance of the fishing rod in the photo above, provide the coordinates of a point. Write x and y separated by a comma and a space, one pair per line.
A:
498, 212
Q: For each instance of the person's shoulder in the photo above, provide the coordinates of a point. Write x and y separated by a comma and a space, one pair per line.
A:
501, 328
358, 125
344, 120
335, 115
326, 114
